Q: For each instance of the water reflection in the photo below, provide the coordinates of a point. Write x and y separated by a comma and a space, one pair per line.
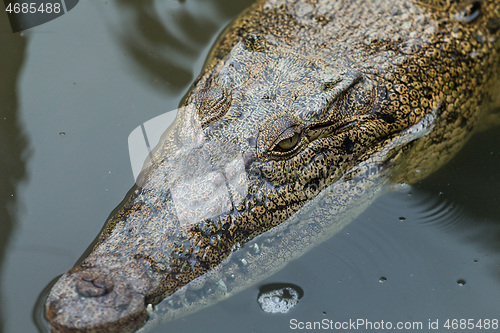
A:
13, 143
165, 48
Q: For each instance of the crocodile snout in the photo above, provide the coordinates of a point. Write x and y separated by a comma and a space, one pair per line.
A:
99, 300
94, 284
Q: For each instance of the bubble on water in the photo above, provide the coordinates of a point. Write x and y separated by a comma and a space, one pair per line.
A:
461, 282
279, 298
382, 279
279, 301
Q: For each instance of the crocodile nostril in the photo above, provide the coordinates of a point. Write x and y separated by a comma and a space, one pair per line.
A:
92, 284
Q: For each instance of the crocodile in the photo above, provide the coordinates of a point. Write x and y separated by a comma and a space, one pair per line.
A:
305, 111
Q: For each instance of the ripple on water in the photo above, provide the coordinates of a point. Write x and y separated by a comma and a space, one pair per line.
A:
413, 206
370, 247
39, 309
433, 210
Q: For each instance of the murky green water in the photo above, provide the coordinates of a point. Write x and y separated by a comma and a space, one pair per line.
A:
72, 90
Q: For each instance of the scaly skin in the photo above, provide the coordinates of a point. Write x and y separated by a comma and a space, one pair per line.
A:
297, 100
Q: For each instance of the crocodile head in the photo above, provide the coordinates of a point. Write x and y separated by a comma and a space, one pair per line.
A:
262, 133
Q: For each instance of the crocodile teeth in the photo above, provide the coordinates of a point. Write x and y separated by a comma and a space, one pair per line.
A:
149, 309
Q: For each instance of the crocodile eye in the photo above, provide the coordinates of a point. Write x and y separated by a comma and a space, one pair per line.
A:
280, 137
289, 143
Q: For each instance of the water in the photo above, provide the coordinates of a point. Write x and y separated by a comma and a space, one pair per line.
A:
104, 68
